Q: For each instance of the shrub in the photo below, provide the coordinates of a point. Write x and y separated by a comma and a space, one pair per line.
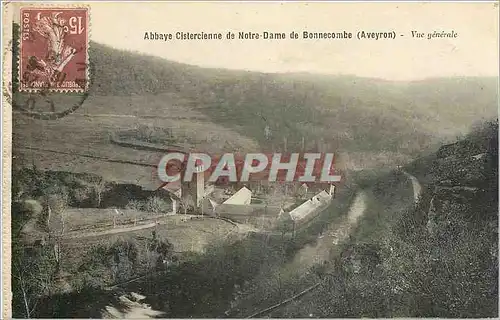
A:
34, 207
135, 205
80, 196
144, 133
114, 263
158, 252
156, 204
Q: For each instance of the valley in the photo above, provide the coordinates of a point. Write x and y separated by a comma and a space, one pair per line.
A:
417, 160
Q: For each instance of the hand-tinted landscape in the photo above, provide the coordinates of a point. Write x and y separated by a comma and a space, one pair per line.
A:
412, 230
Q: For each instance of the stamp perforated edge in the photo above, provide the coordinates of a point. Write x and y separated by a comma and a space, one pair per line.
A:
53, 6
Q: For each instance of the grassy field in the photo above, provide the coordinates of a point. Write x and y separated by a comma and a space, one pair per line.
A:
186, 236
64, 144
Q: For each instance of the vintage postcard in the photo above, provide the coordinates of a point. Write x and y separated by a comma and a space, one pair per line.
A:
250, 159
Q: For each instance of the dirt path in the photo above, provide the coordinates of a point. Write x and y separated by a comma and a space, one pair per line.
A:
417, 187
336, 233
79, 235
238, 228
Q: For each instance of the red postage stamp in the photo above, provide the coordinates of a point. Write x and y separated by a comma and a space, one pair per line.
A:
54, 49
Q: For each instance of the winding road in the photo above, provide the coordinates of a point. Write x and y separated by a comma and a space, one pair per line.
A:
310, 255
336, 233
417, 187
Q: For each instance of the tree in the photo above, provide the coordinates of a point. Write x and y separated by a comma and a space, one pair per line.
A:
105, 264
99, 187
187, 203
155, 204
55, 205
33, 275
33, 271
122, 259
24, 212
159, 251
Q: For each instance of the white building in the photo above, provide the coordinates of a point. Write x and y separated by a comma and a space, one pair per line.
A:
242, 196
311, 206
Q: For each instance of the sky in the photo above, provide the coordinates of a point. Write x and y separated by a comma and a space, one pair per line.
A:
473, 53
